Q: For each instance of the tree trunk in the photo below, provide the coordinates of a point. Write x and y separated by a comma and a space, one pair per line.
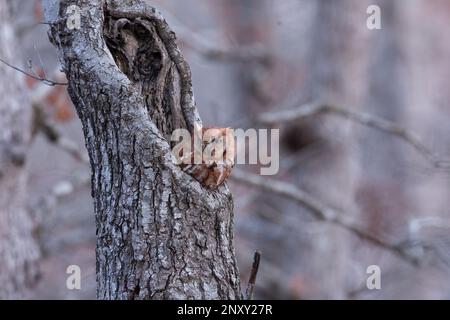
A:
160, 234
336, 72
18, 250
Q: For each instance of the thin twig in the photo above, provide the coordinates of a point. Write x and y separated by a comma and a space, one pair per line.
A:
211, 50
253, 274
42, 79
53, 135
322, 212
311, 109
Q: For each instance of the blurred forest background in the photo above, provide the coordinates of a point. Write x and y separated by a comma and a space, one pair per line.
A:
250, 59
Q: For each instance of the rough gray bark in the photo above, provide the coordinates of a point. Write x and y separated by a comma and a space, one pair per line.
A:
160, 234
18, 249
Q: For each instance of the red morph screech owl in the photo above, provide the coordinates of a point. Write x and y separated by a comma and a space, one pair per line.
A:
211, 164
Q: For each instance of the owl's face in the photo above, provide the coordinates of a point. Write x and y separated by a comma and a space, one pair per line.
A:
218, 153
218, 146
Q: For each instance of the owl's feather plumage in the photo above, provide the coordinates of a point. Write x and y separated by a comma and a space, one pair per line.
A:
216, 168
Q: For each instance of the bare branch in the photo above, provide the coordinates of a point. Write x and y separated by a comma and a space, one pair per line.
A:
315, 108
42, 124
323, 212
253, 273
36, 77
211, 50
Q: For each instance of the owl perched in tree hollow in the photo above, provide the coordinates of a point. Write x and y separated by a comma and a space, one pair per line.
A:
212, 158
